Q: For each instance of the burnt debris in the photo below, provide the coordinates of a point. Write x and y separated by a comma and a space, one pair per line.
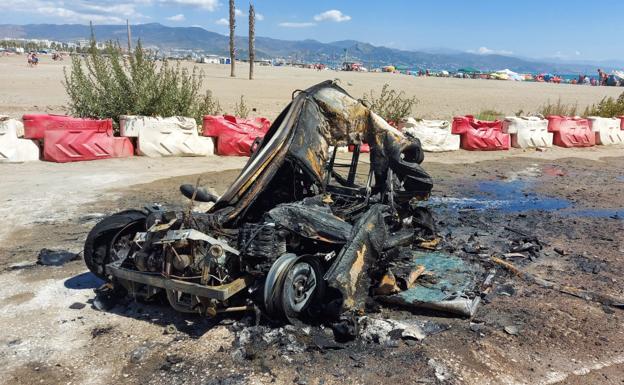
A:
302, 235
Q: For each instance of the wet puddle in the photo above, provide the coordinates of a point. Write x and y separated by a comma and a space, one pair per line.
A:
517, 196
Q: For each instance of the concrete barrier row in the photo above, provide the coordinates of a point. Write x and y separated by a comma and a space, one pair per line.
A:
68, 139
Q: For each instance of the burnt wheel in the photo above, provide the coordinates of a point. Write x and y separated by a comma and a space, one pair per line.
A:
111, 237
274, 283
303, 289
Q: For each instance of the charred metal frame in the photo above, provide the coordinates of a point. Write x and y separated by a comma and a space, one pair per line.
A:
221, 292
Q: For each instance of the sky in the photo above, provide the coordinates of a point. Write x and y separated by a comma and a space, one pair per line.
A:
554, 29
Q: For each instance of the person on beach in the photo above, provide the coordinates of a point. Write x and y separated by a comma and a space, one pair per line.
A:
599, 77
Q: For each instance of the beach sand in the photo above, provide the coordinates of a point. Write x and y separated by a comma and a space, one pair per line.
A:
28, 90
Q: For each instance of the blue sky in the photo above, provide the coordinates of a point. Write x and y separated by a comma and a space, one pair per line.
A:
566, 29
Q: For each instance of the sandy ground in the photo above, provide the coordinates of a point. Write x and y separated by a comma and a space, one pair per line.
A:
24, 89
44, 191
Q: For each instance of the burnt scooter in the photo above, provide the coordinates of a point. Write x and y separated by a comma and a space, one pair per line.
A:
294, 236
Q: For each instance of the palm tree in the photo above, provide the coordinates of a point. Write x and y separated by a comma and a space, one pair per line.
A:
252, 37
232, 27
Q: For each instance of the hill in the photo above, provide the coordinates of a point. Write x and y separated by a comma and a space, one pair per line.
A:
198, 39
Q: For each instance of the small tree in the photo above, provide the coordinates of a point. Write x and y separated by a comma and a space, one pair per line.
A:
252, 37
241, 109
232, 28
558, 108
392, 105
607, 107
109, 85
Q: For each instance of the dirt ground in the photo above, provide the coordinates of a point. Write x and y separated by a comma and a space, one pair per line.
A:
24, 89
570, 200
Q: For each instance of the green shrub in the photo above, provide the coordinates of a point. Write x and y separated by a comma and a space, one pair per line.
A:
107, 85
607, 108
392, 105
558, 108
489, 115
240, 109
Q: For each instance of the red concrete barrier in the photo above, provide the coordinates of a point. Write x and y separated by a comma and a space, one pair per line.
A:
234, 136
621, 122
69, 139
480, 135
571, 131
75, 145
35, 125
364, 148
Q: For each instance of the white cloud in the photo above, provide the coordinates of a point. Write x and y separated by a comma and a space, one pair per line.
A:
222, 21
209, 5
577, 53
289, 24
79, 11
488, 51
332, 15
240, 13
101, 11
70, 15
178, 17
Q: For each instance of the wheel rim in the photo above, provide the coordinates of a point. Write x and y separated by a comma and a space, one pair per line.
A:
121, 244
299, 287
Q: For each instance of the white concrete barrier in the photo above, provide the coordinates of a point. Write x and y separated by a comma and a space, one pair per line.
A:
607, 130
159, 137
12, 147
528, 131
434, 135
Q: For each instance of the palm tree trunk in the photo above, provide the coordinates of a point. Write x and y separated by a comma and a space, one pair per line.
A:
129, 36
252, 37
232, 27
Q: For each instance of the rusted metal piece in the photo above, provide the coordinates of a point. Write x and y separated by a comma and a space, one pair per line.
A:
220, 293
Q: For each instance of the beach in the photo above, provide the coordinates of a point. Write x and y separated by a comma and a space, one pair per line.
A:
40, 89
555, 213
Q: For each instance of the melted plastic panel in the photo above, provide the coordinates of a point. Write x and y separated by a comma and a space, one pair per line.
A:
311, 220
349, 275
297, 145
453, 289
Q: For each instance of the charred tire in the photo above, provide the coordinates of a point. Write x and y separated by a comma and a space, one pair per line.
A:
273, 285
302, 290
97, 249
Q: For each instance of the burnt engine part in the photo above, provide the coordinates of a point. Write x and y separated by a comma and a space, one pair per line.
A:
261, 243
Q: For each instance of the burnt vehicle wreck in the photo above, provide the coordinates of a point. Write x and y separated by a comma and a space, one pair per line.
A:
294, 236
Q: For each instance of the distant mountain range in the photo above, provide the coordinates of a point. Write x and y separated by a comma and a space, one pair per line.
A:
195, 38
